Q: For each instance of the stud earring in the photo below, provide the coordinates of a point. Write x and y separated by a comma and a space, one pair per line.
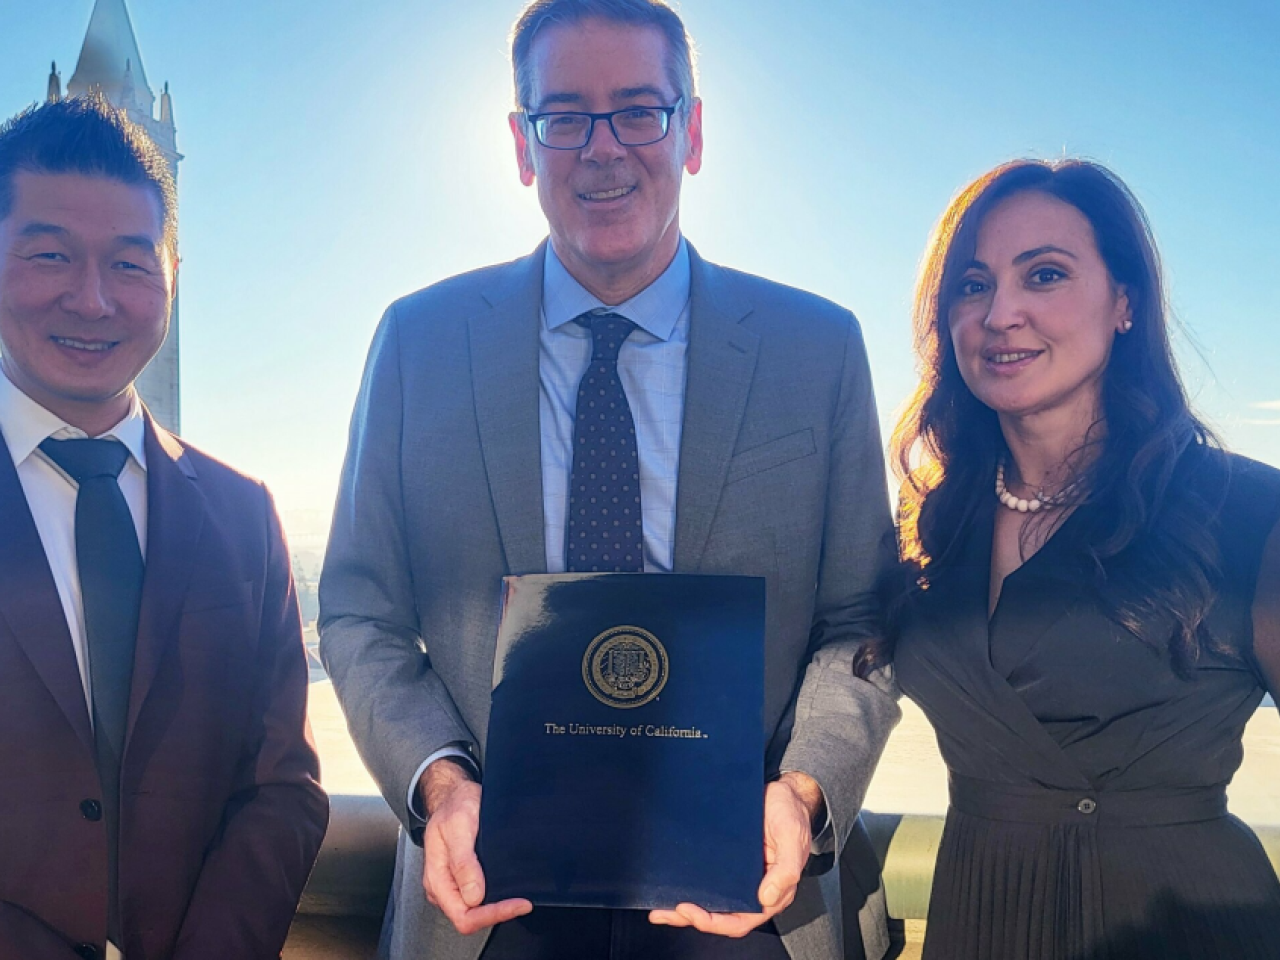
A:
1126, 326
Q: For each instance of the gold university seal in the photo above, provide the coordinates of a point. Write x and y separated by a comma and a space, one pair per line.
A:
625, 667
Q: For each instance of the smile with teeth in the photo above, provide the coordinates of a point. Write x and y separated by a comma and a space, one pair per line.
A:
1013, 357
96, 346
607, 194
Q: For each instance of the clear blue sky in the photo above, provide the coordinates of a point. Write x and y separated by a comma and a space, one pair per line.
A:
340, 155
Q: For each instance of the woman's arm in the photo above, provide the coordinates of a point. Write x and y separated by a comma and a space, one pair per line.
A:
1266, 617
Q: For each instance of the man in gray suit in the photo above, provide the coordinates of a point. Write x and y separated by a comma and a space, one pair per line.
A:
755, 452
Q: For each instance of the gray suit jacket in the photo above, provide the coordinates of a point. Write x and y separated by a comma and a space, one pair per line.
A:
781, 476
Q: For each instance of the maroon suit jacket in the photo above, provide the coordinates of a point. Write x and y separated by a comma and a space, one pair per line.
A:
221, 811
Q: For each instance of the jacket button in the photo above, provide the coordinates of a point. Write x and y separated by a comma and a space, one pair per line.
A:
1087, 806
91, 810
87, 950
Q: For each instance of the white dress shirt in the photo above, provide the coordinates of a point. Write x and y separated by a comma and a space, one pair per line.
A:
51, 498
51, 495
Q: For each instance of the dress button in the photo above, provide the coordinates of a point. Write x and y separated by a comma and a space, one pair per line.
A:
87, 950
1087, 805
91, 810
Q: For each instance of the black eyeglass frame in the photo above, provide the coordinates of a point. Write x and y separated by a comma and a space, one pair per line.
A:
667, 112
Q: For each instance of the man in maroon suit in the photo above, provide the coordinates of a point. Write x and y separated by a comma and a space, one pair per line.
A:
158, 790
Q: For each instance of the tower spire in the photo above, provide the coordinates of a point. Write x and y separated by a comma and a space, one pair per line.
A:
110, 51
54, 93
166, 107
128, 89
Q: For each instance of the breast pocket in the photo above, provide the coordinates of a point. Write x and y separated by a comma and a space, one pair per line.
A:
218, 632
771, 454
204, 597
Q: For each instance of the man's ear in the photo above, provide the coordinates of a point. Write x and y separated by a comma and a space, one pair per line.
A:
174, 262
524, 149
693, 134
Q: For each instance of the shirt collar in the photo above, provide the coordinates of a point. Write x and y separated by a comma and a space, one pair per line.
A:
25, 424
655, 309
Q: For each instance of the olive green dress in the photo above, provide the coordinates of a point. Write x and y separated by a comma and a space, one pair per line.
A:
1088, 812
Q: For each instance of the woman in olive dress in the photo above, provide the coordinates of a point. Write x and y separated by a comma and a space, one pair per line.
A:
1092, 610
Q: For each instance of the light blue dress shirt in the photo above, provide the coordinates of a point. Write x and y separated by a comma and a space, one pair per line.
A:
653, 367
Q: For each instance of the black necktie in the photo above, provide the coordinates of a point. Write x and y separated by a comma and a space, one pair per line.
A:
604, 532
110, 566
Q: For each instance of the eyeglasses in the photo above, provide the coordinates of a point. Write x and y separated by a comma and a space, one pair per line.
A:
632, 126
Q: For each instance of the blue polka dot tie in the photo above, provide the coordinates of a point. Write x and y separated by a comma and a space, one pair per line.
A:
604, 532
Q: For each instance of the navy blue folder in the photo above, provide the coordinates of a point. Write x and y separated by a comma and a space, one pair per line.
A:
624, 763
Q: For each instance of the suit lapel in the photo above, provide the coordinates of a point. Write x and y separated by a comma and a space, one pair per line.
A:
30, 606
175, 519
504, 381
722, 360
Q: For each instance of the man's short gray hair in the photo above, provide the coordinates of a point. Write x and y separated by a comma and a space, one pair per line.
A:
650, 13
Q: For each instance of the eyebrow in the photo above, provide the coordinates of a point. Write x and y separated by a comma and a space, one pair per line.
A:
139, 240
630, 93
1039, 251
555, 99
39, 229
625, 93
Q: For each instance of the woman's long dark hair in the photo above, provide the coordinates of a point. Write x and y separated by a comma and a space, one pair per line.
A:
947, 442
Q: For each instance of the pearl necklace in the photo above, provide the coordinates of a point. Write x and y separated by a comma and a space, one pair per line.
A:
1036, 503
